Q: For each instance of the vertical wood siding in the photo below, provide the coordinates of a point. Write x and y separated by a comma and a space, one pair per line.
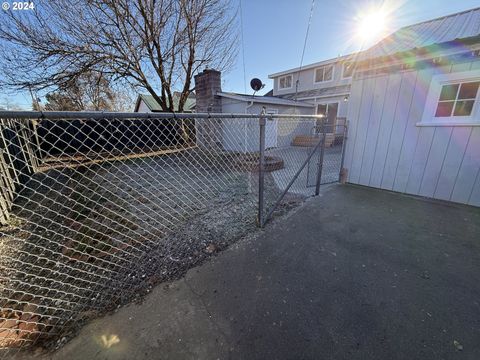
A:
387, 150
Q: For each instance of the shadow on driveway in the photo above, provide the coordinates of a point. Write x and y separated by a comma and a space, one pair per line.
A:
356, 273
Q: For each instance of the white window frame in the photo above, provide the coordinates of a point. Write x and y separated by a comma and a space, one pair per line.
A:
343, 70
431, 103
323, 67
284, 77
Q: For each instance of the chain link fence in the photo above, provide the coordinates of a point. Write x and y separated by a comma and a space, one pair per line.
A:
330, 156
311, 152
97, 208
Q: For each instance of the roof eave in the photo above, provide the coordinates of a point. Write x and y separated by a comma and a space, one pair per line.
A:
137, 103
263, 99
314, 65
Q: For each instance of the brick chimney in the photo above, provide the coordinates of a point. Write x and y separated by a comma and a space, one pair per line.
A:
209, 131
207, 84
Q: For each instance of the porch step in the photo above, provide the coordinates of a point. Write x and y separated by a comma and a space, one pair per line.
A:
310, 140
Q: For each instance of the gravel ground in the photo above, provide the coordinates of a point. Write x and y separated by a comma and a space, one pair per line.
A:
85, 241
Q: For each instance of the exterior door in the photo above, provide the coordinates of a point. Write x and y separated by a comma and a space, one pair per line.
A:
330, 111
271, 133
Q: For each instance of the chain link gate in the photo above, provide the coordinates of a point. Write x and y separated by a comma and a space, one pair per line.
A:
314, 156
331, 155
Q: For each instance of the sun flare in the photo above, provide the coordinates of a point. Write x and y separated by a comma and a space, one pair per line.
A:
372, 25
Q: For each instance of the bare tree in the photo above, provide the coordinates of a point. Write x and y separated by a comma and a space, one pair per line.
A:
89, 91
156, 45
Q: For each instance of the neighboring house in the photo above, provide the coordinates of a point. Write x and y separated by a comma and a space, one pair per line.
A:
249, 104
414, 111
325, 84
146, 103
242, 134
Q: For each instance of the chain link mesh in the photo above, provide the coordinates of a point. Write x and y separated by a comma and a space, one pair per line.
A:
298, 143
94, 211
332, 162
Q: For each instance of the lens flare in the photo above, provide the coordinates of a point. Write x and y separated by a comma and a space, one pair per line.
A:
372, 25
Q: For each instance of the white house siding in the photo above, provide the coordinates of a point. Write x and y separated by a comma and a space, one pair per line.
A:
243, 134
232, 106
306, 80
386, 149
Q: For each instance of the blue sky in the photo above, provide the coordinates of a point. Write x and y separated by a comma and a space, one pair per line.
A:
274, 33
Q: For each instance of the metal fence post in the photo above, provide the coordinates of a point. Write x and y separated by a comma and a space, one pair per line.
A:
320, 160
345, 137
261, 171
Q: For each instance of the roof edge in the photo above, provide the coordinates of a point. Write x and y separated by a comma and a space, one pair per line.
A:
439, 18
313, 65
264, 99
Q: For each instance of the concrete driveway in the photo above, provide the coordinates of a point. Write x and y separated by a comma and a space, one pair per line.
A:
356, 273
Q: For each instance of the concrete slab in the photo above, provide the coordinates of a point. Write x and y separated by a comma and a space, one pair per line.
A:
356, 273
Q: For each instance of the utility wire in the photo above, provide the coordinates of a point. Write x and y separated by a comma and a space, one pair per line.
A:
243, 48
303, 51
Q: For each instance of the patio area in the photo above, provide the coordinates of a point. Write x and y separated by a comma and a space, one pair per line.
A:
355, 273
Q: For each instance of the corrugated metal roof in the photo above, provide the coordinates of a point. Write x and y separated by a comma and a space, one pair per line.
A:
462, 25
263, 99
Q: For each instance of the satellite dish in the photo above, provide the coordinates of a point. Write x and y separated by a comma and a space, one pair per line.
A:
256, 84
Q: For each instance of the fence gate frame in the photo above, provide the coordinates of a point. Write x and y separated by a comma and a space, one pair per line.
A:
320, 131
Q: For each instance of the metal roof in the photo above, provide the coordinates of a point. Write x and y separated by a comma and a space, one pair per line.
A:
264, 99
458, 26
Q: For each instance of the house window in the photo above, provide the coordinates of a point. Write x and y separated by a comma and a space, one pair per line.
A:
457, 99
323, 74
453, 99
330, 112
347, 70
285, 82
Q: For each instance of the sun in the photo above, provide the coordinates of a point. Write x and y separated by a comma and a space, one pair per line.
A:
371, 25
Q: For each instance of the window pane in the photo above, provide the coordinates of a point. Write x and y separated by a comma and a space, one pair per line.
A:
449, 92
319, 75
322, 109
347, 70
444, 109
328, 73
331, 115
468, 90
285, 82
463, 108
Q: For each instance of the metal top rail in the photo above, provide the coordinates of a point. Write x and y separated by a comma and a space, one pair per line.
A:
62, 115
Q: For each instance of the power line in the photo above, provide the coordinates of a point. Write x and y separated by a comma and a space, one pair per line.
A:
243, 48
304, 47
